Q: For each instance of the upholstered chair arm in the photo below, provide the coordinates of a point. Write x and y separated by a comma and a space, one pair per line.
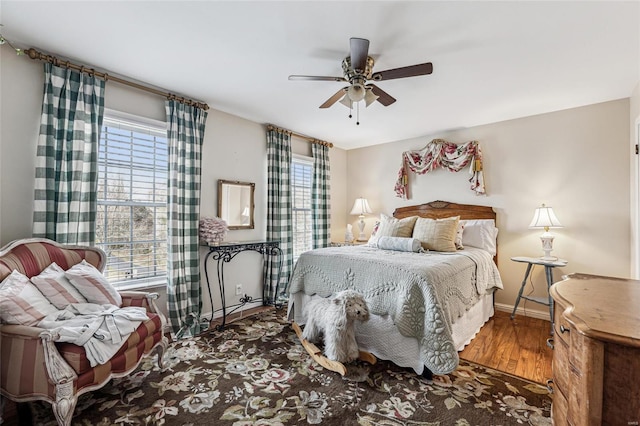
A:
145, 300
32, 365
138, 298
20, 332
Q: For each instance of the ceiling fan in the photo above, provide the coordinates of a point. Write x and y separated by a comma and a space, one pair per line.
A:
358, 71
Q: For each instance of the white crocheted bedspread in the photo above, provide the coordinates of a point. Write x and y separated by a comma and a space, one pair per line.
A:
424, 293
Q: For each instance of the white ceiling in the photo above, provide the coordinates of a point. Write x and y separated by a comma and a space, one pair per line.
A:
492, 61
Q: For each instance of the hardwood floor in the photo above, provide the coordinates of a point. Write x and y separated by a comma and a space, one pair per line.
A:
515, 346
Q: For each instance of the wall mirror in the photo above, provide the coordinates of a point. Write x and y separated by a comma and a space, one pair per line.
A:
235, 203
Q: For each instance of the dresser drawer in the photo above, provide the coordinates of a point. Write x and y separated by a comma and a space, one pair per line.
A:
597, 357
559, 408
560, 366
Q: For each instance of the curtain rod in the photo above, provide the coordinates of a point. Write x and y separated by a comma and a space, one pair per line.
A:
312, 140
36, 55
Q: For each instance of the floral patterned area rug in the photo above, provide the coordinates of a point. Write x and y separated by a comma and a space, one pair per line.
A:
256, 372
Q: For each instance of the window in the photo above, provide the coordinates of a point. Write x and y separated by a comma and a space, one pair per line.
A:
301, 176
131, 221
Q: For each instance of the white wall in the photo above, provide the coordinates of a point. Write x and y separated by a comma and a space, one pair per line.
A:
233, 149
576, 161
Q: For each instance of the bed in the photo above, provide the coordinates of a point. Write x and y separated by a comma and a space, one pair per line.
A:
425, 306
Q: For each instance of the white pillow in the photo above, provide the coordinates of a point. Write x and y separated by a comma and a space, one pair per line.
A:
21, 302
93, 285
480, 233
55, 286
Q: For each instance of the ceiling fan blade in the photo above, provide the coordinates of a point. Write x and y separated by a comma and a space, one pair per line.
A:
383, 97
332, 100
316, 78
410, 71
359, 52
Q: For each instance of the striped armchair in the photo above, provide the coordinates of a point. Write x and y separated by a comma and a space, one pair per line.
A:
35, 367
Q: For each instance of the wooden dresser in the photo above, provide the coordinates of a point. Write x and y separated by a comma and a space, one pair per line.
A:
596, 358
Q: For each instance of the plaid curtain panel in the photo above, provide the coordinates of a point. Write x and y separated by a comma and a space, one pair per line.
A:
64, 207
320, 197
279, 211
185, 132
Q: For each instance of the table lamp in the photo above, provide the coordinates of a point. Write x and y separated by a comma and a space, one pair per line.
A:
545, 218
360, 208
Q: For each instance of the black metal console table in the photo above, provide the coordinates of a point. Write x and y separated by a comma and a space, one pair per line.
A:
225, 252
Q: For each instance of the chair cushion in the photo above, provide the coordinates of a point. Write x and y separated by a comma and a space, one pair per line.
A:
77, 358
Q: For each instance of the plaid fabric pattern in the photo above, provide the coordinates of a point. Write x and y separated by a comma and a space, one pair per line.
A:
320, 196
185, 132
66, 156
279, 211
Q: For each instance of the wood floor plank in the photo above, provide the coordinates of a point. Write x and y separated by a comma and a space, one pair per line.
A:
515, 346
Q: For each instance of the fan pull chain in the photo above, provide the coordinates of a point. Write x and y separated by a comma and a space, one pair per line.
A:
358, 114
350, 110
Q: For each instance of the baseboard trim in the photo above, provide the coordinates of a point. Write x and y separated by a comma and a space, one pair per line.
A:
544, 315
218, 313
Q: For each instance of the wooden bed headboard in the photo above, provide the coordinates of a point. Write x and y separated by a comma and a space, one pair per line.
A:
441, 209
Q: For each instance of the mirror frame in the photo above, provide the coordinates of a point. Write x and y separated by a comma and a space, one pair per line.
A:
252, 187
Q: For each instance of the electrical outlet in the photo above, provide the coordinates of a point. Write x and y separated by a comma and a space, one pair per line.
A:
239, 290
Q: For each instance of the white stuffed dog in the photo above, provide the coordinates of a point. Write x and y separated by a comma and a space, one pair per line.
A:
334, 318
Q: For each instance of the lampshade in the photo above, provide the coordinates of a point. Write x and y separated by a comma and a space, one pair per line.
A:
361, 207
346, 101
245, 212
356, 92
544, 218
370, 97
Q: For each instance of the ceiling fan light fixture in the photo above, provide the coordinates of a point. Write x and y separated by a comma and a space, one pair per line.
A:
370, 97
357, 68
346, 101
356, 92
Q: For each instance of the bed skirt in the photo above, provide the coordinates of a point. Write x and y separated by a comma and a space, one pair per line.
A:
380, 336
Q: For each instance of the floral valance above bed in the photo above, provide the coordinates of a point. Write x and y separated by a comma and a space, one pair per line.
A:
440, 153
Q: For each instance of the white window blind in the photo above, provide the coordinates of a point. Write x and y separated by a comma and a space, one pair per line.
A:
301, 177
131, 223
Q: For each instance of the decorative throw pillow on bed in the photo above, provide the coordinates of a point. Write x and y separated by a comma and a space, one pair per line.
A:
437, 234
55, 286
399, 244
392, 227
92, 284
21, 302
